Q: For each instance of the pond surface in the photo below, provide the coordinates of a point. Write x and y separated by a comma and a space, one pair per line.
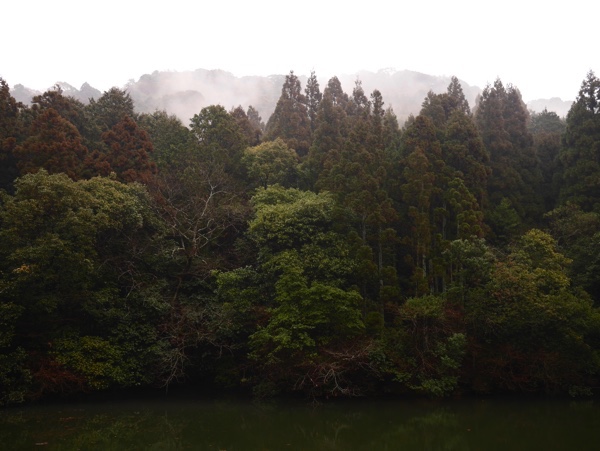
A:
173, 423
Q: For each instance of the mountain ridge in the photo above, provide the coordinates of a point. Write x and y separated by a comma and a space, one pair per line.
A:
185, 93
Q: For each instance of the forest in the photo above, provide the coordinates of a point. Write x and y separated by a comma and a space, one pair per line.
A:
327, 252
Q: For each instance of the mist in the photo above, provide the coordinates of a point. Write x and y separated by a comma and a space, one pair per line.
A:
185, 93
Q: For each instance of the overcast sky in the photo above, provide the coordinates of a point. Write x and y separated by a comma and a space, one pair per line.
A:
545, 48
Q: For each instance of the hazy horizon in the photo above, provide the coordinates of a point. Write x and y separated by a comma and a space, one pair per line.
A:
543, 49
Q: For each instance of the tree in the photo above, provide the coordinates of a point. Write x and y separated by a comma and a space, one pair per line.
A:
257, 124
530, 329
247, 127
128, 153
424, 349
71, 110
313, 99
423, 183
10, 132
111, 108
315, 311
199, 194
290, 120
463, 150
502, 118
576, 233
73, 272
356, 173
526, 161
220, 138
170, 138
440, 107
547, 130
271, 162
54, 144
581, 146
329, 134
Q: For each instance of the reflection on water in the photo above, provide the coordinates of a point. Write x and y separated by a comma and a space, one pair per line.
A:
176, 424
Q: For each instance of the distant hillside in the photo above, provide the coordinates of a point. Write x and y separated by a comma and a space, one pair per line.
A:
83, 94
186, 93
559, 106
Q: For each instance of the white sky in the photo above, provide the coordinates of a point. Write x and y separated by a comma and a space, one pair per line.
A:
545, 48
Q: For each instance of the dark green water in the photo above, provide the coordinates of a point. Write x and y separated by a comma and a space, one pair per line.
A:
194, 424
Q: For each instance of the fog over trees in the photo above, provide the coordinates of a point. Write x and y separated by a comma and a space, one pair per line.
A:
184, 93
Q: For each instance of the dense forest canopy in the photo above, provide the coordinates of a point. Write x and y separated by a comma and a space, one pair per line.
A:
327, 250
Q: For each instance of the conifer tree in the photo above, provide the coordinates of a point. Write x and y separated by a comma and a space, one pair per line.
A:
128, 155
53, 144
171, 140
581, 147
547, 129
464, 152
290, 120
73, 111
502, 119
421, 196
246, 127
313, 99
439, 107
10, 132
111, 108
526, 161
328, 137
257, 123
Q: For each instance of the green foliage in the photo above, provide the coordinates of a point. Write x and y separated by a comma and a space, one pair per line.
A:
577, 235
11, 127
112, 106
220, 138
504, 221
425, 353
171, 140
271, 162
581, 145
302, 282
100, 363
71, 257
502, 119
532, 331
15, 377
290, 121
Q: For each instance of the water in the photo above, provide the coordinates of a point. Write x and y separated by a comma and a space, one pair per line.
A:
195, 424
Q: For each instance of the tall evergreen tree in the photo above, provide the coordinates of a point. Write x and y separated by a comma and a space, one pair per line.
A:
73, 111
526, 162
246, 127
547, 129
257, 123
439, 107
170, 138
502, 119
53, 144
128, 156
10, 132
464, 151
581, 147
313, 99
290, 120
329, 135
111, 108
